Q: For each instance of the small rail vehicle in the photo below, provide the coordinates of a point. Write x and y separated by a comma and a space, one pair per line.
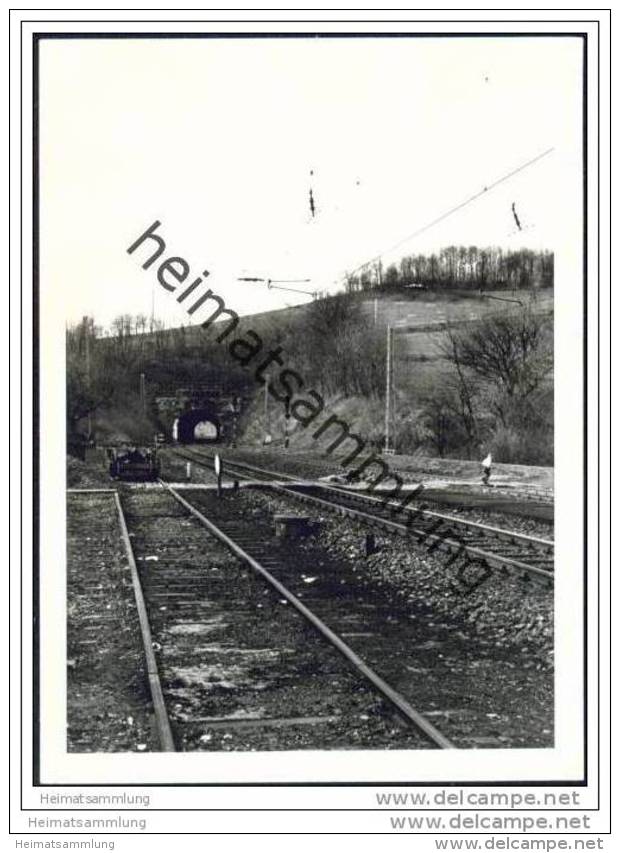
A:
133, 465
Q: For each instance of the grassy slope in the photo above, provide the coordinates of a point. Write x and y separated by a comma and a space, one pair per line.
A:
418, 364
423, 316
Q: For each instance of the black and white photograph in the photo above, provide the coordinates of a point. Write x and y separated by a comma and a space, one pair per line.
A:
309, 456
310, 315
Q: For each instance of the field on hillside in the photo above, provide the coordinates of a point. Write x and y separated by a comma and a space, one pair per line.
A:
420, 319
419, 322
439, 307
426, 312
419, 369
340, 351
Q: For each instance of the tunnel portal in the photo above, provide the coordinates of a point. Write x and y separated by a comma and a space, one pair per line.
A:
200, 425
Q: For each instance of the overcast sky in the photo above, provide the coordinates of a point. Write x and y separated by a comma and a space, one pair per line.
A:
216, 138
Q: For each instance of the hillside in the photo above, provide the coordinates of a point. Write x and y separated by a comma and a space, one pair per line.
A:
420, 320
336, 346
417, 319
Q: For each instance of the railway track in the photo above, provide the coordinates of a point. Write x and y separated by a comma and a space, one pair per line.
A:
504, 550
226, 660
106, 672
532, 502
253, 644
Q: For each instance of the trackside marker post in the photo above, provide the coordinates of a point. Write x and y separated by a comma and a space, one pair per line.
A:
217, 465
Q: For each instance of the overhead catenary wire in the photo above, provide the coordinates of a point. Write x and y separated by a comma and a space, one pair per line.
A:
312, 293
274, 280
486, 189
272, 285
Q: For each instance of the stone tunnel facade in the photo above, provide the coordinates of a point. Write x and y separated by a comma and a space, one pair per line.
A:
206, 414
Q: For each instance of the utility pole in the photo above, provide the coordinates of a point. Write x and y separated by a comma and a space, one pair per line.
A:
379, 275
287, 415
236, 408
266, 412
143, 392
86, 325
388, 389
376, 305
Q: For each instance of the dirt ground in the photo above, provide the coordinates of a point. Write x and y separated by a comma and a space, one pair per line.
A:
486, 639
108, 701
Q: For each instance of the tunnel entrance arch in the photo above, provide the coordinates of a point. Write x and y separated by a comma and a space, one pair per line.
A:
198, 425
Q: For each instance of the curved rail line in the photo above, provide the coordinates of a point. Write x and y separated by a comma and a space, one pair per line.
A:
396, 699
162, 721
512, 553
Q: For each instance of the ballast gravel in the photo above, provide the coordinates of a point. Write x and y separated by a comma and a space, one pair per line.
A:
504, 612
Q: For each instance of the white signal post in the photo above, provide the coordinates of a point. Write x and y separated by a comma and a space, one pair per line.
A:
217, 465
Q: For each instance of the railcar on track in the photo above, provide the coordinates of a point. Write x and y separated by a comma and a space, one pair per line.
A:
134, 465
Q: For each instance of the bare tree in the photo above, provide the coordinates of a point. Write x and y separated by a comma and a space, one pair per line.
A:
465, 389
511, 352
438, 420
90, 382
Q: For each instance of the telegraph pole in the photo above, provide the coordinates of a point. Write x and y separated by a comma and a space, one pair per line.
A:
143, 391
388, 389
87, 359
379, 275
266, 412
236, 408
287, 415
